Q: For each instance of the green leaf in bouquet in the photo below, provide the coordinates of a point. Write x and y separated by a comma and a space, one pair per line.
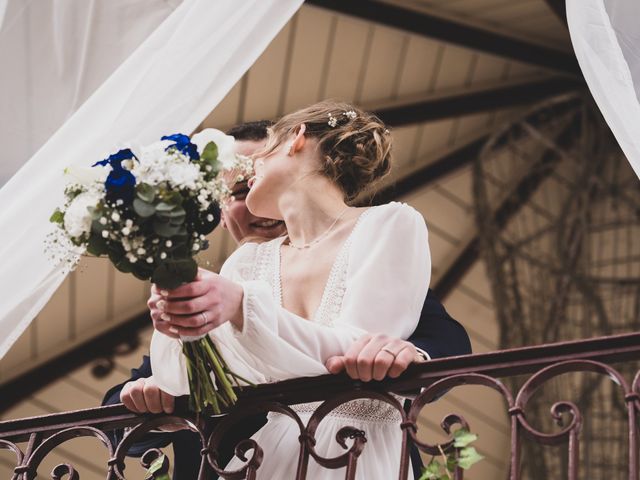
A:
123, 265
143, 208
463, 437
164, 207
115, 252
468, 456
57, 217
210, 157
172, 273
180, 248
97, 245
167, 230
172, 198
96, 227
142, 271
175, 218
145, 192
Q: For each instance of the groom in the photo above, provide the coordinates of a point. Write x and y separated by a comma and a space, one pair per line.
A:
437, 335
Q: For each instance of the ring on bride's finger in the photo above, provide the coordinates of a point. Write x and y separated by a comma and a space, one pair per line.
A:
205, 320
385, 349
165, 317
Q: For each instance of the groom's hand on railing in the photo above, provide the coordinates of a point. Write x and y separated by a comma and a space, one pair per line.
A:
375, 357
144, 396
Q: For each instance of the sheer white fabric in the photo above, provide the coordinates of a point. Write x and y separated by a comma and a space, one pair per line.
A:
606, 40
378, 283
3, 9
169, 84
55, 54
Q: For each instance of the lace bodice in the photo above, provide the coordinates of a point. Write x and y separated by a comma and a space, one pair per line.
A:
267, 268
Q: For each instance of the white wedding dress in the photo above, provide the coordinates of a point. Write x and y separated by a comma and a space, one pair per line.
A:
377, 284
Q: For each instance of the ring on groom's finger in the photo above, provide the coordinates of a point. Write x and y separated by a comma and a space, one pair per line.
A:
205, 320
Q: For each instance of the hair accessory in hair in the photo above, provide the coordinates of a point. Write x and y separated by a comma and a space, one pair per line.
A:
333, 121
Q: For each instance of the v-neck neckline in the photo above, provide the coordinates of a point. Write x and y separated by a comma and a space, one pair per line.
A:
277, 267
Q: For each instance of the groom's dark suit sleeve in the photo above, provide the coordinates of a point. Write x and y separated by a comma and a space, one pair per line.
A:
439, 335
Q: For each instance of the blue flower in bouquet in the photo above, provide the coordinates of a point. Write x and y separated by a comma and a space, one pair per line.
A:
183, 145
120, 183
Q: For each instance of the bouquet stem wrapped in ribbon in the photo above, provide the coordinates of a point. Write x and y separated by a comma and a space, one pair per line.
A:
149, 210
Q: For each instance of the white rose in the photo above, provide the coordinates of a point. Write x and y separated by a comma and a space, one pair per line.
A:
225, 143
77, 219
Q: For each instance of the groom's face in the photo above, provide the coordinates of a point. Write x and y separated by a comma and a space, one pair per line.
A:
236, 217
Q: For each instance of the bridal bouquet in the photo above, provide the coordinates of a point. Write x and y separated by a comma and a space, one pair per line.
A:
148, 210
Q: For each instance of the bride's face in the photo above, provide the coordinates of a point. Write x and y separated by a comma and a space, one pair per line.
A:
274, 174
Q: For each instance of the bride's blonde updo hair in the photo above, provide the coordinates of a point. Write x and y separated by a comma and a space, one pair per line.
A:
354, 146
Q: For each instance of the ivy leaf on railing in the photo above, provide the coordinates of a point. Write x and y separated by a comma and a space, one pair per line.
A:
462, 456
155, 471
468, 456
431, 471
463, 438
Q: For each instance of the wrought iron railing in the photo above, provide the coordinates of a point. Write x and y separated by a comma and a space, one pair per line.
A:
32, 439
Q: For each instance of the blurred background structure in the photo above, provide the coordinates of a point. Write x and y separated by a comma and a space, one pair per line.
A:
533, 211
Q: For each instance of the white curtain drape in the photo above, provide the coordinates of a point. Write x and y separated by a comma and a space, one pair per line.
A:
54, 55
606, 40
168, 84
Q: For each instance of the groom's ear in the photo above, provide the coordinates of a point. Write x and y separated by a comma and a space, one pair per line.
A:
299, 140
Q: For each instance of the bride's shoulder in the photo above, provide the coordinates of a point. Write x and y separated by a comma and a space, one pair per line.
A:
393, 212
395, 221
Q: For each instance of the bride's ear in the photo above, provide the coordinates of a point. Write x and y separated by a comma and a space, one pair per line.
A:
299, 140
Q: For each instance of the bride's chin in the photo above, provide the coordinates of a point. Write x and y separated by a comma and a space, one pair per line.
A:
253, 204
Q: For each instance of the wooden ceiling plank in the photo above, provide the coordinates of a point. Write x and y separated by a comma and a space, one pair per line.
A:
450, 31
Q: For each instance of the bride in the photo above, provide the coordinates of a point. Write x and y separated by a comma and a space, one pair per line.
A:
284, 307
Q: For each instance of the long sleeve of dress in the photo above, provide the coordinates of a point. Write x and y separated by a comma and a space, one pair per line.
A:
387, 276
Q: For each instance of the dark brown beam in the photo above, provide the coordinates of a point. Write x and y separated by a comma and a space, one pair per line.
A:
559, 8
105, 346
507, 209
454, 32
431, 173
469, 102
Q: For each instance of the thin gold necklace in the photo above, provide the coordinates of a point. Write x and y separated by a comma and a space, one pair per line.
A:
319, 237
